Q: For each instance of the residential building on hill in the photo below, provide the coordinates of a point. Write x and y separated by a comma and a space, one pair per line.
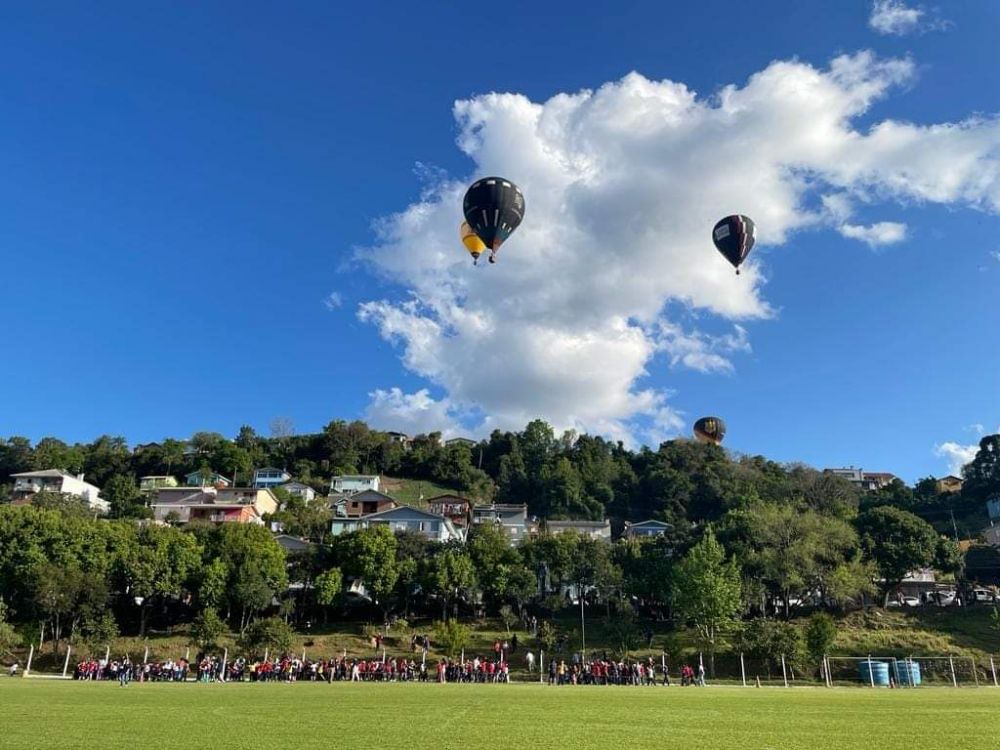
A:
403, 518
29, 483
298, 489
360, 504
512, 519
349, 483
270, 477
213, 504
949, 484
201, 478
646, 529
592, 529
153, 483
454, 507
869, 481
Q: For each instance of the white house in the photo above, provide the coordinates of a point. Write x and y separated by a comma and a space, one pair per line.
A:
269, 477
27, 483
592, 529
404, 518
298, 489
348, 484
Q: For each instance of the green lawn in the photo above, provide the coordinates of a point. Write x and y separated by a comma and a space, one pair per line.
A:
53, 714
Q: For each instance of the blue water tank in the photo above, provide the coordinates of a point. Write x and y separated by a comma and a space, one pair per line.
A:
870, 671
908, 673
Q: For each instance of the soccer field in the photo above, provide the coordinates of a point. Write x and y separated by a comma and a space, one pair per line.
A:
47, 714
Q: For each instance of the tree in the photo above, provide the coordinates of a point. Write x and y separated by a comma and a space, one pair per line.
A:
821, 632
207, 629
897, 542
548, 635
124, 497
507, 617
272, 634
163, 562
328, 588
707, 591
452, 635
451, 576
370, 554
982, 475
255, 567
9, 639
624, 631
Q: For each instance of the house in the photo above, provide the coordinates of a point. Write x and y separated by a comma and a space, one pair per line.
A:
153, 483
592, 529
347, 484
453, 507
869, 481
361, 504
213, 504
298, 489
993, 508
949, 485
646, 529
399, 437
269, 477
294, 545
28, 483
403, 518
512, 519
208, 478
460, 441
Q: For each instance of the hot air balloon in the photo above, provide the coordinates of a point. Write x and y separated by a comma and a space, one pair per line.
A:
734, 237
494, 207
709, 430
471, 241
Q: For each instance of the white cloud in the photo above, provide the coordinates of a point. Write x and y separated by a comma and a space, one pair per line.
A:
882, 233
412, 413
995, 254
622, 185
976, 428
333, 301
894, 17
956, 454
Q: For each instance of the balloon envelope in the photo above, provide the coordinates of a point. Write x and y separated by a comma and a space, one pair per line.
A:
471, 240
709, 430
493, 207
734, 237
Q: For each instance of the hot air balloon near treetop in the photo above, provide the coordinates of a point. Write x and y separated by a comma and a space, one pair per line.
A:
709, 430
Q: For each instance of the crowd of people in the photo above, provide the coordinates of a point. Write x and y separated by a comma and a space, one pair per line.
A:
606, 671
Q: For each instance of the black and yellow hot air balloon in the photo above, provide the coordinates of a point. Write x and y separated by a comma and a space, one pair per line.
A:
709, 430
493, 207
734, 237
471, 240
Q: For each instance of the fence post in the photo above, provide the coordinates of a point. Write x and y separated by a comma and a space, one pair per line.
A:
266, 651
107, 654
975, 672
871, 673
743, 670
993, 669
542, 669
31, 655
951, 663
784, 674
145, 655
69, 649
225, 660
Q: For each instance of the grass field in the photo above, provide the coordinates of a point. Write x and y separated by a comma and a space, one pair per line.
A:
50, 714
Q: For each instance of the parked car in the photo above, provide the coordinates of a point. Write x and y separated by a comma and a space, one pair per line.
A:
905, 601
946, 598
983, 596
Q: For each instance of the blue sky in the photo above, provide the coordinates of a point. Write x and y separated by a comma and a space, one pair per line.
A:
181, 189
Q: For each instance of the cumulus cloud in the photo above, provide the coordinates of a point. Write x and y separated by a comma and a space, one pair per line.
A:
995, 254
333, 300
882, 233
604, 281
412, 413
956, 454
894, 17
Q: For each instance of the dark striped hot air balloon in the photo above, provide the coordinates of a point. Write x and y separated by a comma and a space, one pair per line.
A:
734, 237
494, 207
709, 430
